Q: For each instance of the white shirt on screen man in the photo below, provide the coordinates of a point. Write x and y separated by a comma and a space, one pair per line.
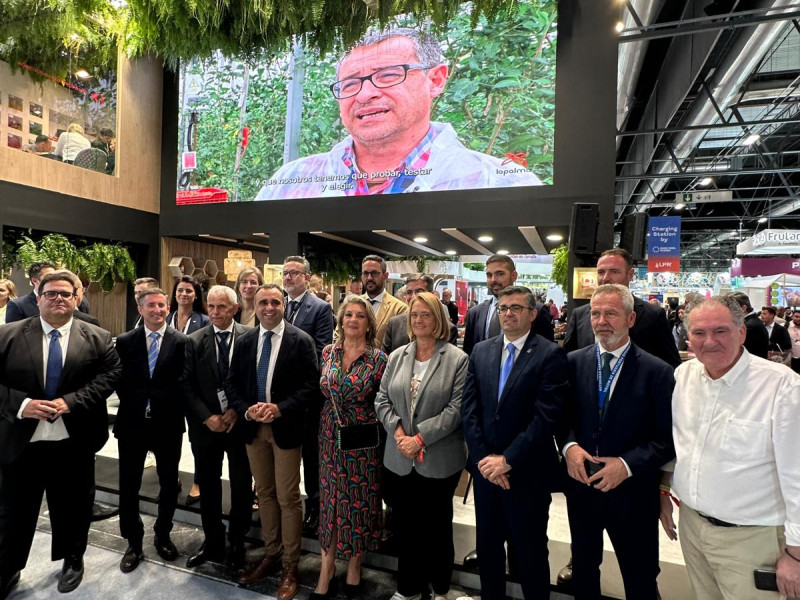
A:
737, 443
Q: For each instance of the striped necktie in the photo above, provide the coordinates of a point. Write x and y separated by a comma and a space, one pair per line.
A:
263, 367
152, 351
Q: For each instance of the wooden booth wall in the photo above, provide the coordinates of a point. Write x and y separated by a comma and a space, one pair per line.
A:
109, 308
172, 247
138, 150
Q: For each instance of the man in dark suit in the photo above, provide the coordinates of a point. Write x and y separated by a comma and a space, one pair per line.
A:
216, 430
273, 377
313, 315
28, 305
55, 376
756, 339
779, 340
650, 332
397, 330
482, 321
150, 417
514, 396
619, 437
452, 309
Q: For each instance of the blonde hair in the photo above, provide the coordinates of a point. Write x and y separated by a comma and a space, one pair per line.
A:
372, 328
442, 329
74, 128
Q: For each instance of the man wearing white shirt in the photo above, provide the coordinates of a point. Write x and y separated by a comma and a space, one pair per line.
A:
273, 376
737, 474
619, 436
56, 374
215, 431
794, 334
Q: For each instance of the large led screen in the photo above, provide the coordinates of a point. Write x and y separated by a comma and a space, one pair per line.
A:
406, 109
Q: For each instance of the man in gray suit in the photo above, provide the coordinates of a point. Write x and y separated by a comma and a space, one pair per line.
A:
215, 431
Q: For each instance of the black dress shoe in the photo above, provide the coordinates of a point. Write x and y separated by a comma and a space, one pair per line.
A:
165, 548
131, 559
101, 512
471, 560
565, 575
311, 522
235, 558
192, 500
71, 574
206, 554
8, 583
331, 593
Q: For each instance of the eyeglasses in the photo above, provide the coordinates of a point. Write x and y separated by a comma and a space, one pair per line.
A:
373, 274
291, 274
52, 295
515, 309
382, 78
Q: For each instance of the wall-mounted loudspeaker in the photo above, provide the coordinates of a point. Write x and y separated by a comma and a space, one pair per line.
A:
634, 235
583, 228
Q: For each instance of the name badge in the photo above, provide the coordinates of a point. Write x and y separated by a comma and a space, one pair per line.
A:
223, 400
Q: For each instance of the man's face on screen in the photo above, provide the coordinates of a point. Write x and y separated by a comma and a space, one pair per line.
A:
397, 115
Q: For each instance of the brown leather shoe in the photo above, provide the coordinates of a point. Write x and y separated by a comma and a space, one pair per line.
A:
260, 570
288, 587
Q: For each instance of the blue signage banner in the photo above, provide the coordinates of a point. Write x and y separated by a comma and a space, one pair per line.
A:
664, 244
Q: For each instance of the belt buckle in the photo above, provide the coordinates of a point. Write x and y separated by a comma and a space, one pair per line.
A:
148, 414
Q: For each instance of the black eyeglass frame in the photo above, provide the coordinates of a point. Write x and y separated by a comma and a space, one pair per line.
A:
406, 68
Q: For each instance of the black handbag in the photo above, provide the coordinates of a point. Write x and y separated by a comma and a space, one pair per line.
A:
363, 436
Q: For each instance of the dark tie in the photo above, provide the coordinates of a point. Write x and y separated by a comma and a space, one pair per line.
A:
222, 359
54, 366
506, 370
292, 309
373, 301
263, 367
494, 323
605, 373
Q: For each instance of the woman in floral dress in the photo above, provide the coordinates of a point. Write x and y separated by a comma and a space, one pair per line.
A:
350, 503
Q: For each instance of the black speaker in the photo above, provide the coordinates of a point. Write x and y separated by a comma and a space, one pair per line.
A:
634, 235
583, 228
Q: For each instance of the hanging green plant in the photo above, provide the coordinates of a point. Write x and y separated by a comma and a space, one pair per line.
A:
560, 271
53, 247
475, 266
333, 268
107, 264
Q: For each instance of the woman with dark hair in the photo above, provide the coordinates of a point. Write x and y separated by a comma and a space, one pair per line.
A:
247, 283
679, 333
350, 503
187, 307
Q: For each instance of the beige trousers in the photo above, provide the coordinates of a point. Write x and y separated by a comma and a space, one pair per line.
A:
277, 475
720, 560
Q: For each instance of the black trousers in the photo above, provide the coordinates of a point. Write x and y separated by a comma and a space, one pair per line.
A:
311, 456
423, 513
519, 515
631, 520
65, 472
132, 454
209, 472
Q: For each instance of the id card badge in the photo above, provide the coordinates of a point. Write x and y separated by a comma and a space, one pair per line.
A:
223, 400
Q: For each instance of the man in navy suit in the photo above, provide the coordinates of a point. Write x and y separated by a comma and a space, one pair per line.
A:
313, 315
150, 417
514, 397
215, 431
28, 305
273, 377
620, 435
650, 332
55, 375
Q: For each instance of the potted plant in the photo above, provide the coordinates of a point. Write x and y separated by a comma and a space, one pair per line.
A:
105, 265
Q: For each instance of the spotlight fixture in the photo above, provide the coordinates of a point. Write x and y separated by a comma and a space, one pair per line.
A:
450, 252
555, 237
619, 27
420, 239
503, 252
751, 139
763, 220
680, 206
485, 238
706, 181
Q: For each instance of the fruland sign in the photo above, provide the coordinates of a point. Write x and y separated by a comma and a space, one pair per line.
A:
664, 245
771, 241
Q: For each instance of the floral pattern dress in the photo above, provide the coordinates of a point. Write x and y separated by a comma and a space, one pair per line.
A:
348, 480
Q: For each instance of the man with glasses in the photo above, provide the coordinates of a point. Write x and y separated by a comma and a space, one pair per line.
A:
309, 313
56, 374
514, 397
385, 306
386, 85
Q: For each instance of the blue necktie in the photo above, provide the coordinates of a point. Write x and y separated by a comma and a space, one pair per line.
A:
152, 351
263, 367
54, 366
506, 370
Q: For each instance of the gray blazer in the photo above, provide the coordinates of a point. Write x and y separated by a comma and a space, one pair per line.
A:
438, 411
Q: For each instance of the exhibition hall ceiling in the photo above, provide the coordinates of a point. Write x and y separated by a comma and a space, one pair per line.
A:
707, 119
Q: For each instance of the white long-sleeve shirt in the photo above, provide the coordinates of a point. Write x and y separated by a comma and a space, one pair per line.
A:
737, 443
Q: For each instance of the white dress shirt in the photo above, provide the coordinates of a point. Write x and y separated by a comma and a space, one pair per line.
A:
148, 331
519, 344
45, 430
231, 340
376, 301
277, 336
794, 334
737, 443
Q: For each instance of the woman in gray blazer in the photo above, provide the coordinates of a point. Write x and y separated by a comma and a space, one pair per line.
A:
419, 404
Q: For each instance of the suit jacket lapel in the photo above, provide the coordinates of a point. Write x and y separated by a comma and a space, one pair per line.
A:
33, 337
436, 359
164, 352
208, 347
495, 353
288, 341
74, 350
482, 316
625, 379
